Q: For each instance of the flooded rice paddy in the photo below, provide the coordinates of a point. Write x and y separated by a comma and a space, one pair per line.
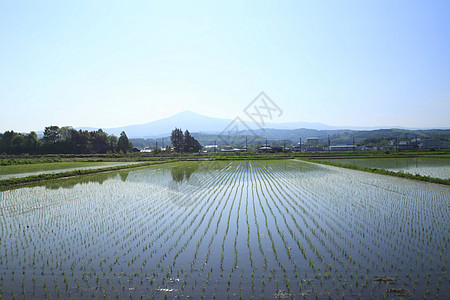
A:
425, 166
262, 229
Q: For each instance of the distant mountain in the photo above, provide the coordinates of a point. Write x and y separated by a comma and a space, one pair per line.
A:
200, 124
280, 136
184, 120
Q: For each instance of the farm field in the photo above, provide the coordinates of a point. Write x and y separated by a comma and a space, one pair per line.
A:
425, 166
262, 229
17, 171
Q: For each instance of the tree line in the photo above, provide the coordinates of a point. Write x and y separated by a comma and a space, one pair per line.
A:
64, 140
185, 143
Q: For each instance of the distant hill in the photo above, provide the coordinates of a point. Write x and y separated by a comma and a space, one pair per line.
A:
278, 136
184, 120
207, 130
197, 123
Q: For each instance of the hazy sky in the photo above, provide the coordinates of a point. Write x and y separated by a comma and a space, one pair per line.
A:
113, 63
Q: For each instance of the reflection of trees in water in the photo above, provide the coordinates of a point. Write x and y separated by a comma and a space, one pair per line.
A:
181, 174
184, 192
185, 171
178, 193
69, 183
124, 176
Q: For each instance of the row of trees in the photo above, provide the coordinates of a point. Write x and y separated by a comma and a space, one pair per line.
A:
184, 142
64, 140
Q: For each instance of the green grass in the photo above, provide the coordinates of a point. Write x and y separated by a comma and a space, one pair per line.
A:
42, 167
27, 161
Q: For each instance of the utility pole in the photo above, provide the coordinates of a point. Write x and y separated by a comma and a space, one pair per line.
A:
163, 142
329, 146
215, 148
300, 145
353, 143
246, 146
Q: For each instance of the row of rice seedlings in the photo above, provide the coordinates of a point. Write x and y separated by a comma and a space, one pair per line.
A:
169, 272
127, 247
249, 248
219, 188
83, 276
278, 197
353, 260
200, 223
281, 199
231, 284
388, 264
321, 228
222, 255
237, 192
176, 232
272, 276
276, 194
195, 256
260, 194
350, 261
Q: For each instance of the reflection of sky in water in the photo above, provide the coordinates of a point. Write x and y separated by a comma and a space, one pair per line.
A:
183, 183
88, 167
434, 167
167, 212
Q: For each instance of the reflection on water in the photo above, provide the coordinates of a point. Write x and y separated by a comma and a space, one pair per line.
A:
186, 169
69, 183
183, 172
434, 167
178, 176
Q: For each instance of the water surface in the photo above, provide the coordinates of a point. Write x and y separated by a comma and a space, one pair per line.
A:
267, 229
433, 167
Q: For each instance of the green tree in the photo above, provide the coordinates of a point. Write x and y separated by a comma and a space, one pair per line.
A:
32, 143
184, 142
156, 150
18, 144
99, 141
6, 146
177, 139
190, 144
52, 137
112, 142
52, 134
81, 141
124, 144
65, 141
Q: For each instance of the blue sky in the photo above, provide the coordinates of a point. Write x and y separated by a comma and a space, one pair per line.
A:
114, 63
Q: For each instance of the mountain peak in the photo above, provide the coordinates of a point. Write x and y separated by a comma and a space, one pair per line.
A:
195, 123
